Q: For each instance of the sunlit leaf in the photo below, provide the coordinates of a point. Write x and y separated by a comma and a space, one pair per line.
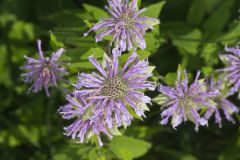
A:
127, 148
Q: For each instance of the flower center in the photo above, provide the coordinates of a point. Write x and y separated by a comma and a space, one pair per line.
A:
128, 21
114, 87
45, 72
185, 102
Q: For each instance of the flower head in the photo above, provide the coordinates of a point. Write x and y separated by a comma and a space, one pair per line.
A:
222, 102
44, 71
110, 94
125, 25
184, 101
84, 127
232, 71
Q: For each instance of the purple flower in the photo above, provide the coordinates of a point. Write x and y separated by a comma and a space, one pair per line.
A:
125, 25
232, 71
110, 94
83, 127
44, 71
183, 102
223, 104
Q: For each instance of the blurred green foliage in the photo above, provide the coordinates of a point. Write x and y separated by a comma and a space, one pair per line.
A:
192, 33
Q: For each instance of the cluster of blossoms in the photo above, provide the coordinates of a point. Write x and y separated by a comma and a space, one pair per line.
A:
231, 75
101, 100
44, 71
126, 25
232, 71
222, 102
184, 101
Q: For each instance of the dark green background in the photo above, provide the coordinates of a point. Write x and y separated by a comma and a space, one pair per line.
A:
192, 33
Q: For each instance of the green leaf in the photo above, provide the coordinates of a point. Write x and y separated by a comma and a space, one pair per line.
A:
160, 99
218, 19
170, 78
5, 77
143, 106
115, 131
68, 18
232, 36
154, 10
189, 42
101, 158
79, 58
232, 148
73, 38
21, 30
210, 53
127, 148
88, 112
61, 157
143, 54
196, 13
177, 154
88, 23
32, 134
96, 12
139, 3
55, 44
211, 5
153, 40
133, 113
207, 71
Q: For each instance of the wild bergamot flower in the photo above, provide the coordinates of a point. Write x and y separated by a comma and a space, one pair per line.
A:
101, 101
183, 101
222, 102
44, 71
85, 125
125, 25
232, 71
